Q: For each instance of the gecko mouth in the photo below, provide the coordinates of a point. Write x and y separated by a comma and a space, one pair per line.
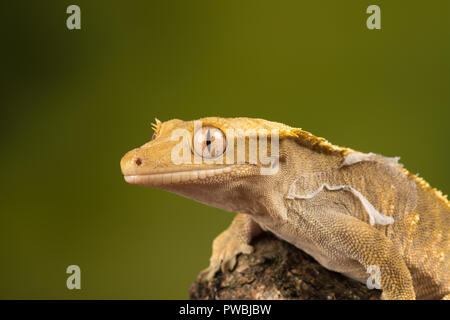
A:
158, 179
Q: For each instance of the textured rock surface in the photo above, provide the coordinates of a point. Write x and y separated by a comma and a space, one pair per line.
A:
278, 270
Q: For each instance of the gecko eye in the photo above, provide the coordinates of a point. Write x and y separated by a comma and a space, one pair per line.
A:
209, 142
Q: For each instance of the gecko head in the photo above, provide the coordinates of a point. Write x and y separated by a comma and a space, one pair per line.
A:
211, 160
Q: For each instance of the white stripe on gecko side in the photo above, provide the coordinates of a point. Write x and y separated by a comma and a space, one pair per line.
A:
357, 157
374, 215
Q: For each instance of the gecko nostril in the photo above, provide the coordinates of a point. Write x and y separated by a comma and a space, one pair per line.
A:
138, 161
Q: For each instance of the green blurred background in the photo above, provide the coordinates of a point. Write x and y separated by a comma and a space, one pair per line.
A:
73, 102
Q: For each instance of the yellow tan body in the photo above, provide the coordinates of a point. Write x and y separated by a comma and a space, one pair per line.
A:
351, 211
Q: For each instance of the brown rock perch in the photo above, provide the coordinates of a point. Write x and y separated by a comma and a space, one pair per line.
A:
278, 270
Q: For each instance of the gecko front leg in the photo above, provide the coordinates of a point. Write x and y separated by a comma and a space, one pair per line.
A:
230, 243
348, 245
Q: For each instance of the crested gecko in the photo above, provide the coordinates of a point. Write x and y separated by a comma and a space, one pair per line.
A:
349, 210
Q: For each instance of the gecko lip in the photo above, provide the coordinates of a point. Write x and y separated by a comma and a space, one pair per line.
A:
174, 177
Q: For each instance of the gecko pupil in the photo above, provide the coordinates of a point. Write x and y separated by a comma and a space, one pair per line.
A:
208, 140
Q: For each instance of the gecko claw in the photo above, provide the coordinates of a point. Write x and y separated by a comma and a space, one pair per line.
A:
226, 248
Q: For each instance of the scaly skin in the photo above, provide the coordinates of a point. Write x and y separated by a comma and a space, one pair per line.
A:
348, 210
